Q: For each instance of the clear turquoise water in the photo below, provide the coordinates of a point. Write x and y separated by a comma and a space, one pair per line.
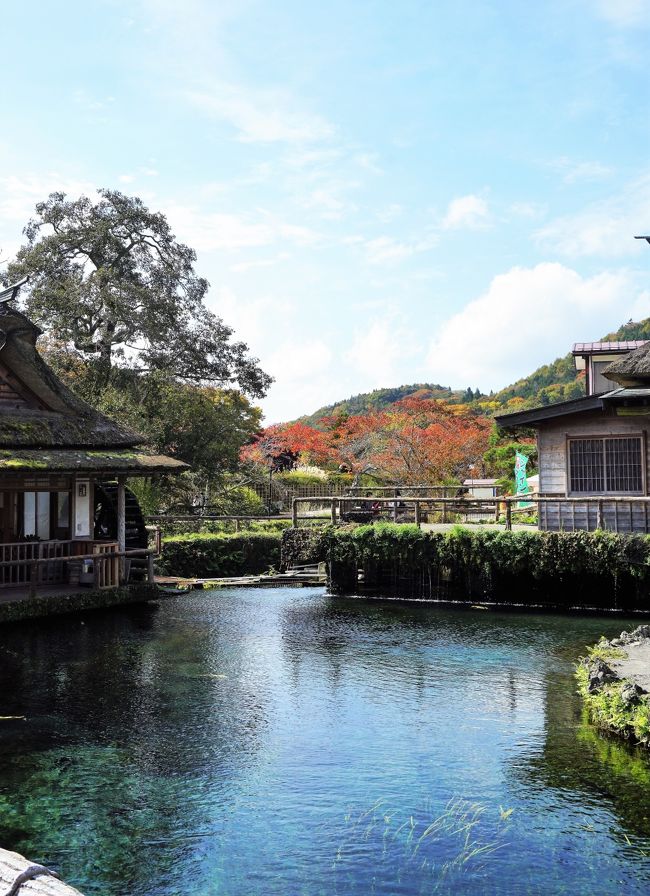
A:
284, 742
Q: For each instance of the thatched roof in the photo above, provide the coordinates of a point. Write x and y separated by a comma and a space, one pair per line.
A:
131, 462
632, 369
36, 409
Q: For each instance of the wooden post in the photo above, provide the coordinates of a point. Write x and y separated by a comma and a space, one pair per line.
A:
294, 513
444, 507
508, 515
333, 511
417, 513
158, 540
121, 524
395, 505
33, 579
150, 573
496, 510
600, 521
236, 524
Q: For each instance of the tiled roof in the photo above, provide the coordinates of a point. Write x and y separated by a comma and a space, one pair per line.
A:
593, 348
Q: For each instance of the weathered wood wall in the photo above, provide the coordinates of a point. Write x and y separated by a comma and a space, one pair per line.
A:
552, 440
620, 516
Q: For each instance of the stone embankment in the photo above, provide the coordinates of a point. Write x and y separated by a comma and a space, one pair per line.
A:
20, 877
614, 680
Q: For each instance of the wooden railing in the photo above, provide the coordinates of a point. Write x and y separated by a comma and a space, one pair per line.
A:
397, 508
556, 512
39, 564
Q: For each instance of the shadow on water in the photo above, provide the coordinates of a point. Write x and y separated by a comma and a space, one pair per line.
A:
285, 742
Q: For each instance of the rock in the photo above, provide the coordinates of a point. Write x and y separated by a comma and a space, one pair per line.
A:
642, 631
630, 693
600, 674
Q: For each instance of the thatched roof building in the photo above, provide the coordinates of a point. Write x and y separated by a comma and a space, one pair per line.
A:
631, 370
63, 470
43, 425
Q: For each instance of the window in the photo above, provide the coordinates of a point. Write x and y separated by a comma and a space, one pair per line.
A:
606, 466
36, 515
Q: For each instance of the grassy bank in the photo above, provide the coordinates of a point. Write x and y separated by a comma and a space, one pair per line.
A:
613, 704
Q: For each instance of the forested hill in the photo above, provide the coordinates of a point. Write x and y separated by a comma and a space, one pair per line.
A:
380, 399
557, 381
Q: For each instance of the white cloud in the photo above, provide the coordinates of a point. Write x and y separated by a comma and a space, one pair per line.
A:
260, 115
624, 13
243, 266
378, 350
526, 209
604, 228
389, 212
467, 213
213, 231
527, 317
387, 250
579, 171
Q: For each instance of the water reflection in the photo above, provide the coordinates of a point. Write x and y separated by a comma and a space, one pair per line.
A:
285, 742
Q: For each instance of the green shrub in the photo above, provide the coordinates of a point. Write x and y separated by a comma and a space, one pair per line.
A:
212, 554
302, 546
223, 527
297, 477
586, 568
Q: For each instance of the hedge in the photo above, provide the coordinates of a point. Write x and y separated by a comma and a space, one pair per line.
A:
303, 546
588, 569
219, 554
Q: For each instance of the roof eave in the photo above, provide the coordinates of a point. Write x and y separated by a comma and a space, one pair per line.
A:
533, 416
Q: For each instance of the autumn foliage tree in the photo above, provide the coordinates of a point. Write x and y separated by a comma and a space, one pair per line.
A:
416, 440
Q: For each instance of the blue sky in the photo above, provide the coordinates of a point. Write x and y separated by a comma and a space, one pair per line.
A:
379, 193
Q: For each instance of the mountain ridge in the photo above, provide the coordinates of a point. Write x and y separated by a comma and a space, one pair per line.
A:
548, 384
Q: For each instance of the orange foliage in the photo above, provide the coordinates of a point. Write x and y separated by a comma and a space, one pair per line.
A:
415, 440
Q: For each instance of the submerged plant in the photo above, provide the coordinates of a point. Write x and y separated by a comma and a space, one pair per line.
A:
455, 840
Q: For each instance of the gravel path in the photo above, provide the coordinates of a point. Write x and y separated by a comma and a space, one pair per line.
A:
636, 665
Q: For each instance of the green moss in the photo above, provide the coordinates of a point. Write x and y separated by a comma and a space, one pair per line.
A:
573, 569
608, 710
606, 707
22, 464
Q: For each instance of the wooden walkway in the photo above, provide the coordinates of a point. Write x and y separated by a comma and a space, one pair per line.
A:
299, 577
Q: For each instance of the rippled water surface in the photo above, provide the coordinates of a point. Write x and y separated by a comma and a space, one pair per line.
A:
284, 742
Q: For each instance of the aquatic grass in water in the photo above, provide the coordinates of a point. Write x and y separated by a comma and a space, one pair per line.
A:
283, 742
464, 835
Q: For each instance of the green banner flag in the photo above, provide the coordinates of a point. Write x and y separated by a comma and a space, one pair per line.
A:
520, 473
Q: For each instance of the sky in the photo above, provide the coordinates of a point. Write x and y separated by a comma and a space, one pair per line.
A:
379, 193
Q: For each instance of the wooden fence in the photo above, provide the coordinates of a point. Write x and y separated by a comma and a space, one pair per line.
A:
626, 515
41, 564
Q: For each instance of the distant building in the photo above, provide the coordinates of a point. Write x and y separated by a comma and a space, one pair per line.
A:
597, 445
63, 468
480, 488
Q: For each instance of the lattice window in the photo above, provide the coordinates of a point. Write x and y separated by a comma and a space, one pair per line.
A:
606, 466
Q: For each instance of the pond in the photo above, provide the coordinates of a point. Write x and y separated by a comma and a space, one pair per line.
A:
285, 742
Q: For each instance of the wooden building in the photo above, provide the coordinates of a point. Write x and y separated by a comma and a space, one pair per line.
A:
594, 450
63, 469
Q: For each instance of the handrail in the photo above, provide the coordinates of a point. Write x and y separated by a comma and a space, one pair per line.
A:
33, 564
107, 555
468, 502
